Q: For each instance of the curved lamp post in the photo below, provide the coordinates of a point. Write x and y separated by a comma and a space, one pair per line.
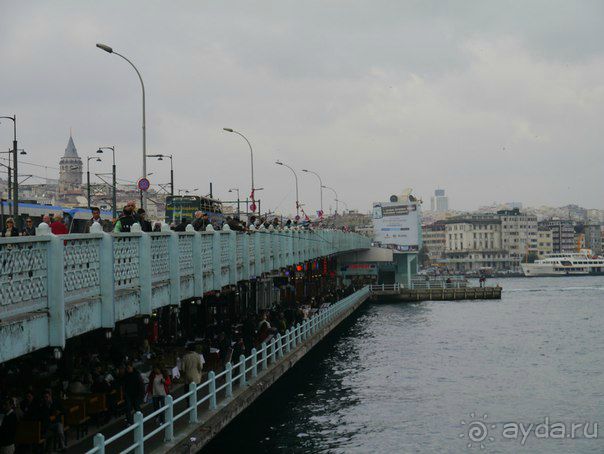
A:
320, 185
296, 177
15, 173
111, 51
251, 156
88, 159
336, 194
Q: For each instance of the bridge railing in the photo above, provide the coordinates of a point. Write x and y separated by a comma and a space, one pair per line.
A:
75, 283
235, 376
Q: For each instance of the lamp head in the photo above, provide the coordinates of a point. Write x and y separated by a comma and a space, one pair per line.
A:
279, 163
98, 159
23, 152
105, 48
228, 129
304, 170
99, 151
160, 158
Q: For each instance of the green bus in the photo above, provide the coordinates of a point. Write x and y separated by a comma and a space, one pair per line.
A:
180, 207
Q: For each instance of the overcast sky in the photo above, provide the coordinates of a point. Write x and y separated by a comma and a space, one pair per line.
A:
492, 101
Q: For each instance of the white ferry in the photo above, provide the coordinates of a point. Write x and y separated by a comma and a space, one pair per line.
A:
566, 264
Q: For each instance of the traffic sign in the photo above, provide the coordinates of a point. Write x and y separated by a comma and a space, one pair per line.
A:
253, 207
143, 184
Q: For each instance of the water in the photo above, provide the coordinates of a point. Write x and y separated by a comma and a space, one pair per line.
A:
402, 378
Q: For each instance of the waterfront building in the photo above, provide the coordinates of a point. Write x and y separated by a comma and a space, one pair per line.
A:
563, 234
70, 169
518, 234
544, 242
593, 237
439, 202
434, 239
474, 242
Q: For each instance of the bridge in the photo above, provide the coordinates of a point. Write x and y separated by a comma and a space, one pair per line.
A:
56, 287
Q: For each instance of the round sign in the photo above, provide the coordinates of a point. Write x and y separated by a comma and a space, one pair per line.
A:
253, 207
297, 218
143, 184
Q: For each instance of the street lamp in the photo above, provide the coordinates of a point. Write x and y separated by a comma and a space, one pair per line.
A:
113, 182
88, 159
320, 186
336, 194
111, 51
251, 160
236, 189
160, 157
296, 177
345, 204
15, 173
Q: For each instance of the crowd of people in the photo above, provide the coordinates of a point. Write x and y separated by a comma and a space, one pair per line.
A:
130, 215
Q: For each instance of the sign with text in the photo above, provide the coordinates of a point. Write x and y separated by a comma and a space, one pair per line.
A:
396, 225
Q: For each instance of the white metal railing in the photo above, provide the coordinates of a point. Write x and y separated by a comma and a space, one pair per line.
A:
246, 373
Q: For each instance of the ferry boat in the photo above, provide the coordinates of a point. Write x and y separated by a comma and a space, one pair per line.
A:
566, 264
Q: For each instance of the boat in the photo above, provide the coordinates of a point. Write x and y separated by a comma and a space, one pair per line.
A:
580, 263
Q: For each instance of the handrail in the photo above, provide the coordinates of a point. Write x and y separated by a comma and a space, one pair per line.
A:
301, 331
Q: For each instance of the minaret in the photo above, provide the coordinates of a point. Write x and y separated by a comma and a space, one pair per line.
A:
70, 173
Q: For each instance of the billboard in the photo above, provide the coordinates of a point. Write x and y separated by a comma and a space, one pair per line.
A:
396, 225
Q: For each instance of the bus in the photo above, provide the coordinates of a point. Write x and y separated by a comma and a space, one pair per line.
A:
180, 207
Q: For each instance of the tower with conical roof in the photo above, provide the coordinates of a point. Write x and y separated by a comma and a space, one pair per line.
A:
70, 168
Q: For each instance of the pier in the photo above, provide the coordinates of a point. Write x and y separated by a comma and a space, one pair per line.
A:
399, 293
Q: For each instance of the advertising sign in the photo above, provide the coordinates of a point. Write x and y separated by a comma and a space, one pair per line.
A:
396, 226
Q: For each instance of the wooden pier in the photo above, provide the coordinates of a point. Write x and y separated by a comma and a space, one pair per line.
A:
398, 293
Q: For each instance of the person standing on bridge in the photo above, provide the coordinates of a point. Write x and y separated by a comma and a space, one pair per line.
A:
191, 367
158, 388
126, 220
10, 229
134, 390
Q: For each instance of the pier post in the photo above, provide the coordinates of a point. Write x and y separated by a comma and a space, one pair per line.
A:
193, 403
242, 380
287, 340
229, 380
254, 363
264, 356
139, 433
99, 443
273, 352
279, 346
212, 389
169, 418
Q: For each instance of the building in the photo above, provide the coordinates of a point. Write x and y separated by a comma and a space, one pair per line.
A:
434, 239
593, 237
439, 202
474, 243
518, 234
70, 169
563, 234
545, 243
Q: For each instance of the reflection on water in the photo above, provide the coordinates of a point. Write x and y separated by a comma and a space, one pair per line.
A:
402, 378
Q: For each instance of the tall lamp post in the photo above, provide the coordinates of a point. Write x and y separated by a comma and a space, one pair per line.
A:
320, 185
15, 172
113, 180
251, 158
88, 159
238, 199
335, 193
111, 51
160, 157
279, 163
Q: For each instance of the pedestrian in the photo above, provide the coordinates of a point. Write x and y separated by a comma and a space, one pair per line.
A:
45, 220
29, 229
10, 230
96, 217
158, 388
142, 219
8, 427
126, 220
191, 367
201, 221
134, 390
182, 226
51, 416
58, 226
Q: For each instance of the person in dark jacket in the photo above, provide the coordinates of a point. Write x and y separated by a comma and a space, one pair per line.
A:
134, 391
142, 219
201, 221
182, 226
8, 427
29, 229
125, 221
10, 230
50, 414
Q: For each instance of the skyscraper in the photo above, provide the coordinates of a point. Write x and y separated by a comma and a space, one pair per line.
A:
440, 202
